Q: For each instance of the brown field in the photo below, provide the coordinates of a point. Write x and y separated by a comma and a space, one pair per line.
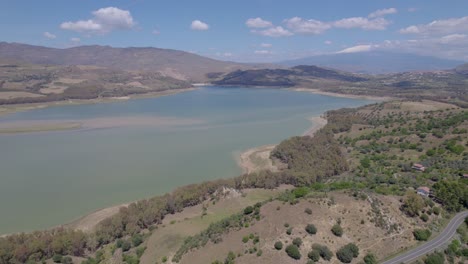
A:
382, 241
167, 239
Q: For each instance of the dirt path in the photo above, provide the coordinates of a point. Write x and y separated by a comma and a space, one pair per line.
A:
88, 222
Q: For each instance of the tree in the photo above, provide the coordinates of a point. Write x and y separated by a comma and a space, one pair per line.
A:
293, 251
370, 259
137, 239
278, 245
126, 245
324, 251
412, 203
311, 229
248, 210
337, 230
57, 258
297, 241
424, 217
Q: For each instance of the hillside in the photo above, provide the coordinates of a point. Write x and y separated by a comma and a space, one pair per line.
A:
172, 63
448, 86
376, 62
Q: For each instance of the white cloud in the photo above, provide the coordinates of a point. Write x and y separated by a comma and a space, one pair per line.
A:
76, 40
155, 32
383, 12
104, 20
49, 35
358, 48
257, 23
412, 9
266, 45
224, 54
262, 52
328, 42
311, 26
199, 25
363, 23
274, 32
439, 27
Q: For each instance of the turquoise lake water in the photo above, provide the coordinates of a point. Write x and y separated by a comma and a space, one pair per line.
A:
51, 178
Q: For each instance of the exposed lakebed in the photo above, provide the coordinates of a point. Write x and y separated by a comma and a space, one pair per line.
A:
124, 151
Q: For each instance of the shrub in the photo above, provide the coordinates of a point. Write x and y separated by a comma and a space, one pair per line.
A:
245, 239
259, 253
370, 259
314, 255
256, 240
435, 258
337, 230
278, 245
289, 231
57, 258
137, 239
164, 259
311, 229
422, 234
248, 210
308, 211
324, 251
293, 251
436, 210
346, 253
67, 260
297, 241
424, 217
126, 246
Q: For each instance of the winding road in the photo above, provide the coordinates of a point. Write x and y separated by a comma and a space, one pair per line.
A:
428, 247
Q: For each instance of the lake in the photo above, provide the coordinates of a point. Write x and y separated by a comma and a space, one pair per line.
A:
140, 148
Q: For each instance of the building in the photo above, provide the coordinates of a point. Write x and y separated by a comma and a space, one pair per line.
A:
423, 190
465, 175
418, 167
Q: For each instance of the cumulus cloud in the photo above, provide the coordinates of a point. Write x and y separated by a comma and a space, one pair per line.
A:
257, 23
262, 52
266, 45
355, 49
49, 35
104, 20
439, 27
311, 26
274, 32
383, 12
199, 25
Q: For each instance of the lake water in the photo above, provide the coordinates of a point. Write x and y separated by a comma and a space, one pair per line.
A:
50, 178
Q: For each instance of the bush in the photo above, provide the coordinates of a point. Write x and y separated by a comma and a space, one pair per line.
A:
137, 239
346, 253
245, 239
311, 229
293, 252
436, 210
308, 211
126, 246
297, 241
67, 260
324, 251
422, 234
435, 258
164, 259
57, 258
424, 217
289, 231
259, 253
370, 259
314, 255
248, 210
279, 245
337, 230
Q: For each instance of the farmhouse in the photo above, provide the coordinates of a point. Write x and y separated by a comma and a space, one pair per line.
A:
423, 190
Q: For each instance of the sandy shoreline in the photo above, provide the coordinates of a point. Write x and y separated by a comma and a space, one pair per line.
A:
258, 158
14, 108
317, 91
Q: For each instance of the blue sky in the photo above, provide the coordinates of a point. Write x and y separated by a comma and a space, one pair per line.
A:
254, 30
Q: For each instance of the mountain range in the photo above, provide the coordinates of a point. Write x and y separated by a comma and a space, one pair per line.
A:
376, 62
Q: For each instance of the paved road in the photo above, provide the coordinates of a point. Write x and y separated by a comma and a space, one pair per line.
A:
428, 247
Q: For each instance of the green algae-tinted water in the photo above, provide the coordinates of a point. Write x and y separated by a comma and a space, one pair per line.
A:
50, 178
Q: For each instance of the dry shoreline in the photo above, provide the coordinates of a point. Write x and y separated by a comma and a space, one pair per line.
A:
14, 108
317, 91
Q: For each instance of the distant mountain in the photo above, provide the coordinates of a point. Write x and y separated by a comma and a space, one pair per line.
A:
173, 63
376, 62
